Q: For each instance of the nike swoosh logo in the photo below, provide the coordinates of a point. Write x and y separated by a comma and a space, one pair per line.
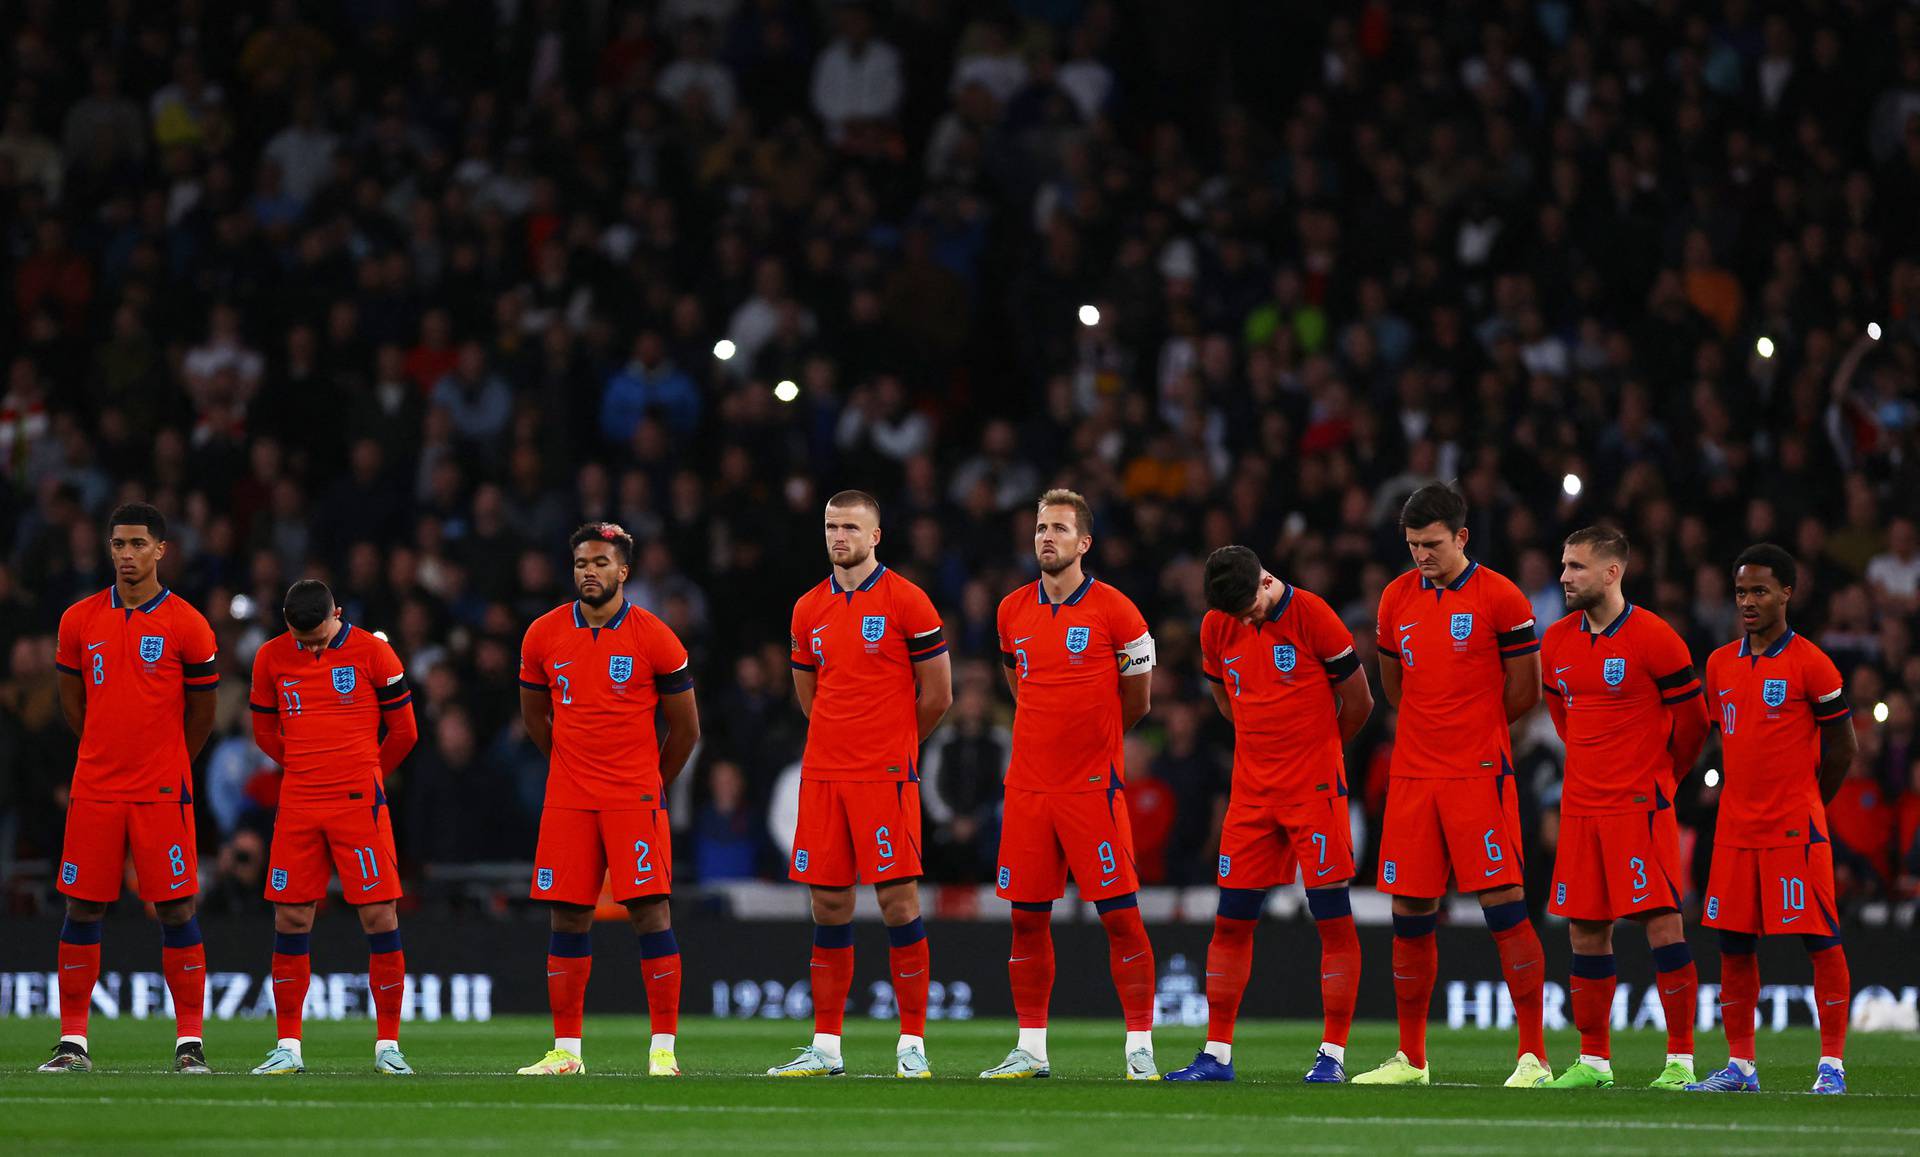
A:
288, 682
816, 965
1568, 667
915, 972
1216, 974
1232, 661
1398, 976
369, 887
192, 967
1788, 919
568, 663
289, 979
70, 967
562, 973
1409, 626
1010, 959
818, 629
176, 884
1637, 899
1324, 871
641, 879
1108, 880
886, 867
1841, 1001
1673, 991
1522, 966
395, 984
1131, 959
663, 975
96, 646
1330, 975
1491, 872
1727, 692
1021, 640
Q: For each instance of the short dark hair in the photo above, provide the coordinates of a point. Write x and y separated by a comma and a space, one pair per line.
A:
853, 499
1434, 502
139, 514
307, 605
1061, 496
611, 532
1233, 579
1606, 541
1774, 558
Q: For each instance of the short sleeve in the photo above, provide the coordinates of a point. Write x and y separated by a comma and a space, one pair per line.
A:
800, 628
1383, 642
533, 659
1671, 666
1000, 629
1332, 643
199, 653
1132, 641
262, 698
389, 678
1210, 648
668, 659
1825, 690
925, 638
1513, 622
67, 648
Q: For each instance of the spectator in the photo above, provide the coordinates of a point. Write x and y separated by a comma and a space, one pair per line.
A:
727, 833
649, 384
961, 772
857, 82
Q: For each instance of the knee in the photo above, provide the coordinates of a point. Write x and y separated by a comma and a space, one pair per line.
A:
650, 915
298, 918
900, 904
375, 917
832, 905
571, 918
175, 912
1415, 906
1590, 938
85, 911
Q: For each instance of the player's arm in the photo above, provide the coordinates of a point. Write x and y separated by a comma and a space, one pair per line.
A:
1681, 694
1838, 746
682, 716
199, 721
263, 708
1520, 655
935, 677
73, 701
1221, 699
403, 731
1390, 676
806, 675
1136, 661
1556, 709
536, 715
1352, 695
201, 678
1012, 672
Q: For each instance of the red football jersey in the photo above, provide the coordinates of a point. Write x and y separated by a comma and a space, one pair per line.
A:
1452, 643
605, 683
136, 665
1070, 657
1286, 721
1617, 687
329, 703
1770, 707
861, 645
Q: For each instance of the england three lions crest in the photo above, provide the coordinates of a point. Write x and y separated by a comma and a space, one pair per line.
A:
152, 647
1773, 692
1614, 671
872, 627
1461, 626
344, 680
1285, 658
1077, 639
619, 668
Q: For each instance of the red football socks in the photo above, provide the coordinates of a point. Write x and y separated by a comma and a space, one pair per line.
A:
79, 971
1524, 965
1833, 990
1591, 993
1130, 956
1339, 977
1679, 984
1416, 965
908, 960
184, 960
832, 976
1229, 961
569, 963
1030, 966
1739, 997
387, 977
660, 972
292, 976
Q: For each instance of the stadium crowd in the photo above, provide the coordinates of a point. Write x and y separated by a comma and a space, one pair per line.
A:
692, 265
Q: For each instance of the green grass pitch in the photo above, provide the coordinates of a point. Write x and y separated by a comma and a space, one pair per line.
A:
464, 1101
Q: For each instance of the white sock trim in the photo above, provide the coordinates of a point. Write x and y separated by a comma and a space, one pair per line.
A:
1033, 1041
663, 1040
909, 1041
1836, 1062
1139, 1040
185, 1040
380, 1046
1741, 1065
1219, 1050
1337, 1052
1680, 1059
568, 1044
291, 1044
1599, 1064
827, 1042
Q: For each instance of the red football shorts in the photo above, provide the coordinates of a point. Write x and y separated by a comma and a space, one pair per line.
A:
1259, 845
1469, 827
310, 844
101, 833
1610, 867
1772, 891
856, 832
578, 849
1043, 834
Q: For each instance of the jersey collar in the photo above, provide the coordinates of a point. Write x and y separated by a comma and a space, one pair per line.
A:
339, 638
1426, 584
619, 616
865, 585
1773, 652
1613, 628
145, 608
1086, 584
1280, 608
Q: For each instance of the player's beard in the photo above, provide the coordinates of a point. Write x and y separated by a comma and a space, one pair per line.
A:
1061, 561
1578, 601
856, 556
600, 599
